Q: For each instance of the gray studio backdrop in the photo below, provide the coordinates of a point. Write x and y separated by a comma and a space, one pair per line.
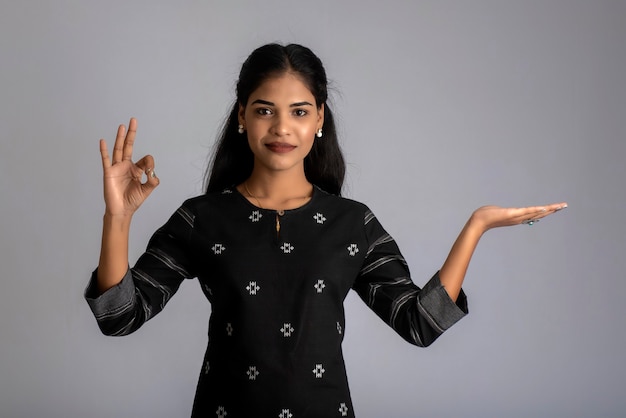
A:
442, 107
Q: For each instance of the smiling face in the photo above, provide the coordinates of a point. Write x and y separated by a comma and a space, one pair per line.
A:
281, 119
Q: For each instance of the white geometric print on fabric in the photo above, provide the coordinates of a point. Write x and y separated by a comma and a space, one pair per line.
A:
319, 286
343, 409
252, 373
226, 191
256, 216
218, 248
206, 367
286, 247
318, 371
285, 413
221, 412
319, 218
339, 330
253, 288
287, 329
229, 329
353, 249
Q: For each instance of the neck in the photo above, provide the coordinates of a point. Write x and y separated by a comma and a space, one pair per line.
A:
277, 190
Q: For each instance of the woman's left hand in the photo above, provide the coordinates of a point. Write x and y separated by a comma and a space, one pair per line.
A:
488, 217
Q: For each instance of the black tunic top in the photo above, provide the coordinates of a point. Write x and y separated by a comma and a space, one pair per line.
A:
276, 282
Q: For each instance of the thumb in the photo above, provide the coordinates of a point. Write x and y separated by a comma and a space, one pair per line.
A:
146, 164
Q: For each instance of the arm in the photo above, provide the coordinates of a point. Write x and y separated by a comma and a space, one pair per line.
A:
124, 192
453, 271
145, 289
122, 299
419, 315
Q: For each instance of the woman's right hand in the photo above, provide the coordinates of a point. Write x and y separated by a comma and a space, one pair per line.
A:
124, 190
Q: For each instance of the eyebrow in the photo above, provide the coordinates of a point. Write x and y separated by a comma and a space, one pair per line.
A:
265, 102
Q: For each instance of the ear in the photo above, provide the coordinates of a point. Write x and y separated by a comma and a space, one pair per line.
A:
320, 116
241, 115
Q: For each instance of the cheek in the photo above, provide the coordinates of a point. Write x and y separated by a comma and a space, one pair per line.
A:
308, 139
308, 131
254, 132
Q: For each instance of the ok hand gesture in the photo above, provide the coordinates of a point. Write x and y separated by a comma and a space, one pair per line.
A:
124, 188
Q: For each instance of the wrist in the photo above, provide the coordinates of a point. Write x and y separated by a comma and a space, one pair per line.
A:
117, 220
475, 225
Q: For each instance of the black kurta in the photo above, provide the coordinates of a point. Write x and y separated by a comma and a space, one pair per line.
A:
277, 318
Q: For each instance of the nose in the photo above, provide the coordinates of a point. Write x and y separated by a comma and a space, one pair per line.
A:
280, 126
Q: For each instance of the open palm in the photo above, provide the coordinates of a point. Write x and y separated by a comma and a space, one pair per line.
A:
495, 216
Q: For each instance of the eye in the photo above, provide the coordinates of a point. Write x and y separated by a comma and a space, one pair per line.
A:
300, 112
263, 111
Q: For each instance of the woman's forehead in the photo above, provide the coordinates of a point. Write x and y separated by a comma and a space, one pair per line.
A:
285, 87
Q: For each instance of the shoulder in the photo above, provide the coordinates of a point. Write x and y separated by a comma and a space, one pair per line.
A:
211, 201
358, 212
342, 204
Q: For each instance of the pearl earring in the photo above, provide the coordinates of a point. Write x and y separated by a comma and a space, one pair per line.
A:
240, 129
319, 133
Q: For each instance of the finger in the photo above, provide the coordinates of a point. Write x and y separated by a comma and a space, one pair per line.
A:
550, 209
104, 153
127, 153
118, 148
146, 166
534, 213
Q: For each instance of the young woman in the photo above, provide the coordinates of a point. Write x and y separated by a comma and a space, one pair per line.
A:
276, 249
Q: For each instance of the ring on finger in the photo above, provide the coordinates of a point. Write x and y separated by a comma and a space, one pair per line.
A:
530, 222
150, 172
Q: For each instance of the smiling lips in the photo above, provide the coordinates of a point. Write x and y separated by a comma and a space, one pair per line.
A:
280, 147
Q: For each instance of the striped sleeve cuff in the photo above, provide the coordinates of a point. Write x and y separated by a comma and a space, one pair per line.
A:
439, 307
114, 299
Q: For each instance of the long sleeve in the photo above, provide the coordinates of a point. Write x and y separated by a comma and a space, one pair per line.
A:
420, 316
149, 285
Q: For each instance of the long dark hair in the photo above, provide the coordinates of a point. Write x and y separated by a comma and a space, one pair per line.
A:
232, 161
